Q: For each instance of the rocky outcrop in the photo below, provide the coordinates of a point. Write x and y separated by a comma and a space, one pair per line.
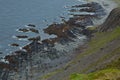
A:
75, 25
95, 9
40, 57
112, 21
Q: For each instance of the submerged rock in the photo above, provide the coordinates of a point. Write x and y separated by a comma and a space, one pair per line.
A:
23, 30
14, 44
31, 25
34, 30
1, 52
22, 36
38, 38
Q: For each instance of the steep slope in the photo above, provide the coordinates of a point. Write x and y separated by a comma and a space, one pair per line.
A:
112, 21
109, 70
98, 53
108, 74
102, 49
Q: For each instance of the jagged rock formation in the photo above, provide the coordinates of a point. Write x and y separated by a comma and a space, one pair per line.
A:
95, 9
76, 24
112, 21
40, 57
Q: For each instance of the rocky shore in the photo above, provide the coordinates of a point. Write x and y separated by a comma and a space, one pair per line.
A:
43, 56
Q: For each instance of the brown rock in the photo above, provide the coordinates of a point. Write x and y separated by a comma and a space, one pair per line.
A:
34, 30
57, 29
15, 44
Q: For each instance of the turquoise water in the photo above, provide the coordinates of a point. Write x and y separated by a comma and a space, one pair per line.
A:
16, 14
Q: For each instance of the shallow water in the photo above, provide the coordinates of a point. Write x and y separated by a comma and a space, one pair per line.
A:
15, 14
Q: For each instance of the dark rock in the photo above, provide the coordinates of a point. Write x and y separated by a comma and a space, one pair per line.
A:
24, 30
22, 36
112, 21
34, 30
50, 41
38, 38
85, 22
90, 9
1, 53
73, 10
81, 21
31, 25
64, 41
4, 65
15, 44
57, 29
91, 4
93, 7
27, 48
86, 32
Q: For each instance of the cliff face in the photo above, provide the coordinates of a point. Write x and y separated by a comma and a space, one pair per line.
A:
112, 21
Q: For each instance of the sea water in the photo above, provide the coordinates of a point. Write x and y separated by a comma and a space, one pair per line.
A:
15, 14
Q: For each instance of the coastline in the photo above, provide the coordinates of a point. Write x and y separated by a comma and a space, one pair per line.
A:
62, 74
57, 45
108, 5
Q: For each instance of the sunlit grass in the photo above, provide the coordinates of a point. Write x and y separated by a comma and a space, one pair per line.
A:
107, 74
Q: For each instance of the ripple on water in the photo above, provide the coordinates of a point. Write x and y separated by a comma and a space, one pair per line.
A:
13, 17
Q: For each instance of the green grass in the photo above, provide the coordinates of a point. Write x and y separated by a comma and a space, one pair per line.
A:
112, 70
99, 41
107, 74
114, 52
49, 74
114, 64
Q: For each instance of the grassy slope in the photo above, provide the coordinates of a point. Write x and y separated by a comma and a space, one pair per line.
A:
100, 40
96, 44
110, 72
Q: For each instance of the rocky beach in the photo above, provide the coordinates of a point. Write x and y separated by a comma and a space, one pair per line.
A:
40, 57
